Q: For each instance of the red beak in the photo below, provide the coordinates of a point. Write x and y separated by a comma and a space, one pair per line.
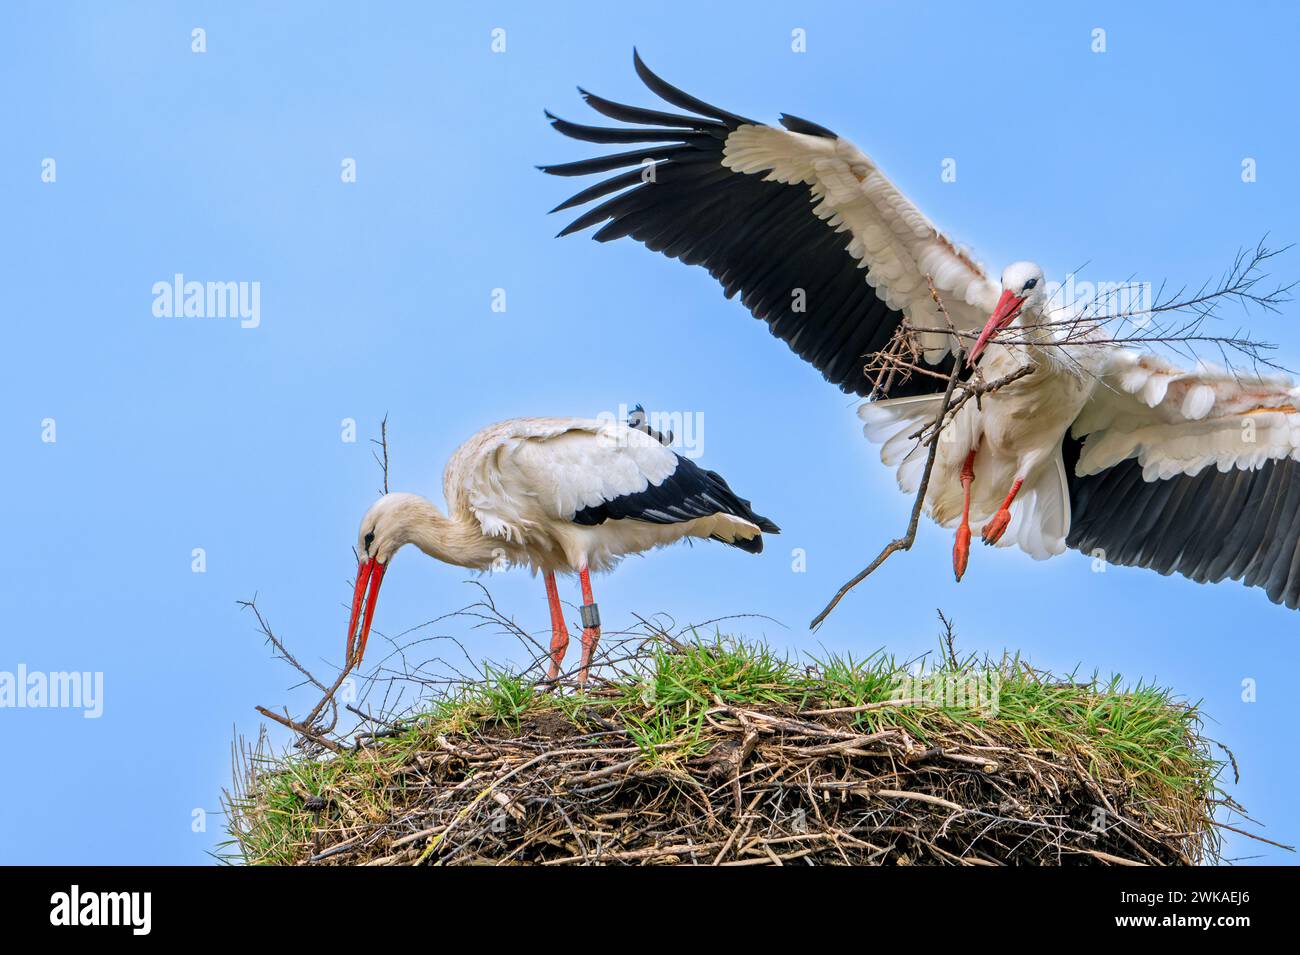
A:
369, 571
1008, 308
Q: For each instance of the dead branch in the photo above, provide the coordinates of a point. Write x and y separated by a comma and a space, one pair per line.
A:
382, 442
1177, 320
618, 650
949, 639
905, 542
975, 388
908, 539
308, 728
302, 729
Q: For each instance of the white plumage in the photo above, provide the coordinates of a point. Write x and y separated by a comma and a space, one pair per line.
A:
1100, 448
1120, 403
567, 495
1175, 421
522, 481
888, 235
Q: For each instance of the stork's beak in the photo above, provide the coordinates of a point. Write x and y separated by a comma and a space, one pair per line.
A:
369, 571
1004, 312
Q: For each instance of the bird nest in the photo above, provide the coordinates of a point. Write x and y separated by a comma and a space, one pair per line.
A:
720, 752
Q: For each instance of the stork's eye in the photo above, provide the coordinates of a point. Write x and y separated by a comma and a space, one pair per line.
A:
1030, 284
370, 539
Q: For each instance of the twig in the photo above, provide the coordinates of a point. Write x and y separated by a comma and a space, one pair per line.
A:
949, 638
383, 444
1251, 835
306, 727
302, 729
921, 797
908, 539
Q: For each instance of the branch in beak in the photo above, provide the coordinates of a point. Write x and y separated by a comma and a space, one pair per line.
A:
1004, 313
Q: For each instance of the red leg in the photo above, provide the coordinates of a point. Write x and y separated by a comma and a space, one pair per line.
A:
997, 525
590, 624
961, 549
559, 631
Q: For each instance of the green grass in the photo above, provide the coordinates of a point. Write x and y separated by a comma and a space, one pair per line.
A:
1141, 737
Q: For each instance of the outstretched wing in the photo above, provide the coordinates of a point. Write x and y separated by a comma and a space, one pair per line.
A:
1190, 472
817, 242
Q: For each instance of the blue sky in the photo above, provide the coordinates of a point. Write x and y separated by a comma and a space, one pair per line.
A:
184, 433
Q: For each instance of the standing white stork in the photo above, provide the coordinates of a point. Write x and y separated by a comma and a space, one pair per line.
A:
560, 495
1100, 447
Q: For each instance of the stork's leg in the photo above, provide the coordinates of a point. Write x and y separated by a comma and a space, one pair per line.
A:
997, 525
961, 549
559, 631
590, 624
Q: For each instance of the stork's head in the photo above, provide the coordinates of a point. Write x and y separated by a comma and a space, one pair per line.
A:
387, 526
1023, 289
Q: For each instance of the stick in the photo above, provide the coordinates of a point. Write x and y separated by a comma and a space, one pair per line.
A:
383, 444
970, 389
302, 729
907, 540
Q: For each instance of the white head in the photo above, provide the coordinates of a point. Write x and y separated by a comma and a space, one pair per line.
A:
389, 524
1023, 290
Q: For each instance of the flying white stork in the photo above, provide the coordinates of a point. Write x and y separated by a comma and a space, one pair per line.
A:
560, 495
1101, 448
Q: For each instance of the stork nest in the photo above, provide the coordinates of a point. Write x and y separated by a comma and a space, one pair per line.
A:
722, 753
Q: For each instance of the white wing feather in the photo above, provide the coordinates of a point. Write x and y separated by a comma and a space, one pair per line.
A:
1179, 421
891, 238
515, 474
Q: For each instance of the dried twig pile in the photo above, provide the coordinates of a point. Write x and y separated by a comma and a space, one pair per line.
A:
721, 753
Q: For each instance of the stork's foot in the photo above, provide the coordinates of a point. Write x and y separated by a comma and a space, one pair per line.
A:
559, 631
996, 527
590, 638
559, 644
961, 549
961, 552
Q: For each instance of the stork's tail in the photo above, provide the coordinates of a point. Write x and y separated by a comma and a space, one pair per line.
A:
739, 507
736, 506
895, 424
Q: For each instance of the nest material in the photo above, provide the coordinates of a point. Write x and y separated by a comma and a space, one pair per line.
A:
773, 770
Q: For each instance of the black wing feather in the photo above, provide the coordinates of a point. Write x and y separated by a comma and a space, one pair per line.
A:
649, 117
690, 492
1240, 524
760, 240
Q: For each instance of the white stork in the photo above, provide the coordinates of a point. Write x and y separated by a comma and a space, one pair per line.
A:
1100, 448
559, 495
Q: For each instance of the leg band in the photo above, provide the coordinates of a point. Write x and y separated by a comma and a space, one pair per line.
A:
590, 616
